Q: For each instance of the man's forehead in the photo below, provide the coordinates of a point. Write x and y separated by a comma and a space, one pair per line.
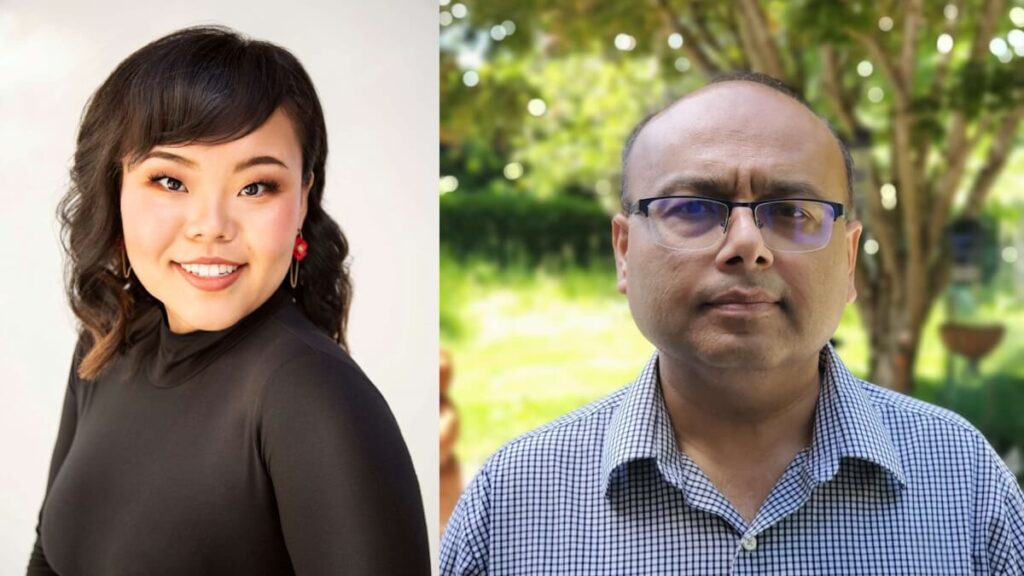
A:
729, 127
739, 107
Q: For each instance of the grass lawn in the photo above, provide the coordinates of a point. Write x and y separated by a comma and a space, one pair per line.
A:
528, 347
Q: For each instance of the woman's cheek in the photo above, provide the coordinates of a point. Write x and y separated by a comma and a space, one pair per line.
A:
150, 222
273, 230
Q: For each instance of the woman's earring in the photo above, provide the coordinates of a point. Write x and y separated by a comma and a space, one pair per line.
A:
126, 266
300, 252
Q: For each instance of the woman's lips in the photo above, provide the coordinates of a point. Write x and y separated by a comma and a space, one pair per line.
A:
211, 284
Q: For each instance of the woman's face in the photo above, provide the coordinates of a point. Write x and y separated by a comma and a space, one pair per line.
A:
237, 204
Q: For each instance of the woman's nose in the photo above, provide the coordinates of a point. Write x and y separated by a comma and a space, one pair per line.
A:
209, 218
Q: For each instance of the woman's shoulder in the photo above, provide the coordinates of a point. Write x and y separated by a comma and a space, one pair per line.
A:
317, 390
300, 360
290, 337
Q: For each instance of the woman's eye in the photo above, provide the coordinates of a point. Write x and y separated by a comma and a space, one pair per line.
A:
172, 184
254, 190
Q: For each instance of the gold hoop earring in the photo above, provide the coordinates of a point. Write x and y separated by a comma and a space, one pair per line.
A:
126, 270
293, 273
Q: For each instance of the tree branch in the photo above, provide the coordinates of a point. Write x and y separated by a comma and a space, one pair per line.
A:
833, 90
693, 43
889, 70
700, 20
883, 226
911, 23
747, 42
957, 146
757, 22
942, 68
998, 153
903, 160
938, 87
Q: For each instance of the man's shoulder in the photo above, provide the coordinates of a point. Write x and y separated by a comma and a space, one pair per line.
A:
927, 430
901, 409
576, 434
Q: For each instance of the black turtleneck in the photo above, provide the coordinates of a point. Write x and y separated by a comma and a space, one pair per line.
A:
259, 449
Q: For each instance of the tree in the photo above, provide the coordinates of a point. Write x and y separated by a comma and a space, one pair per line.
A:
928, 96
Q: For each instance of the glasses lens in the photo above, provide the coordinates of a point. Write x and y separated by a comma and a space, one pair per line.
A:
687, 223
795, 225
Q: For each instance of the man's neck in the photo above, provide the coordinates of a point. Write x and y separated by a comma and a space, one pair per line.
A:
741, 427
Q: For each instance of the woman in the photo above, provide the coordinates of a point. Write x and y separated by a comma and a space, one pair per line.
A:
214, 422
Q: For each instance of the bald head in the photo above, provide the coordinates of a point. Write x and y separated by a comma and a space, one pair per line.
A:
754, 110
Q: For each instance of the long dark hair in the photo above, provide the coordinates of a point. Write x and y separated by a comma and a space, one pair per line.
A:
203, 84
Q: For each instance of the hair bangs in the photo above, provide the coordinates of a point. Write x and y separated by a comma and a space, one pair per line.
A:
210, 94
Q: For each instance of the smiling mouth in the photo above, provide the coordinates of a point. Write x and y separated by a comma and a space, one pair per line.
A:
209, 270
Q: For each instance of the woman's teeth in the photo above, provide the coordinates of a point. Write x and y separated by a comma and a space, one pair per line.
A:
209, 270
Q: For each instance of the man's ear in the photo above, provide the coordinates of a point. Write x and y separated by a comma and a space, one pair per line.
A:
620, 244
853, 232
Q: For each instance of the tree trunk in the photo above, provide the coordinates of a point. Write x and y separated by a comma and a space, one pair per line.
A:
893, 355
894, 335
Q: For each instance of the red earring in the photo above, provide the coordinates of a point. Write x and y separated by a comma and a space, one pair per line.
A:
301, 248
300, 253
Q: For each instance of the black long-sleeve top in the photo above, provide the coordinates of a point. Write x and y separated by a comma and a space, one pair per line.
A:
259, 449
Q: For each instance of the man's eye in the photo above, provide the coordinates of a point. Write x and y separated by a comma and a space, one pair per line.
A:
172, 184
790, 211
689, 209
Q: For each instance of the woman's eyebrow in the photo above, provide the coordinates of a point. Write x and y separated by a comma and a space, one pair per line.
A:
164, 156
259, 160
254, 161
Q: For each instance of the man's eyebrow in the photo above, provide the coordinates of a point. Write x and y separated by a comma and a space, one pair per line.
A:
722, 188
254, 161
790, 189
702, 185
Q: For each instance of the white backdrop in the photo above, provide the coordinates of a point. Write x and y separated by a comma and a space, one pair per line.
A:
375, 66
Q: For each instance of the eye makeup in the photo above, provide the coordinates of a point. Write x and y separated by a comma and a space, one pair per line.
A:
270, 186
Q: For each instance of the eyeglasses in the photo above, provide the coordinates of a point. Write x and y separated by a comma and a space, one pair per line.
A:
691, 222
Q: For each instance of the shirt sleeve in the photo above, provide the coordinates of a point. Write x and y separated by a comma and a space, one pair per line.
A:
346, 490
464, 544
37, 564
1006, 543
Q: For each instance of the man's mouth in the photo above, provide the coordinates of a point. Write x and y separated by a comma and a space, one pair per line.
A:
736, 297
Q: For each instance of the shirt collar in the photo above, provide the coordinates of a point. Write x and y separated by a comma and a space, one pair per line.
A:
847, 425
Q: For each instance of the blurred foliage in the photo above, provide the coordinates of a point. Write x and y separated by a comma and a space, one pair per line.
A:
525, 231
564, 53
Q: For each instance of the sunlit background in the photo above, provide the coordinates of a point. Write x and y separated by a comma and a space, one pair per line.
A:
538, 98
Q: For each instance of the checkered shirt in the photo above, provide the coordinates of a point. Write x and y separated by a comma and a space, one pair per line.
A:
888, 485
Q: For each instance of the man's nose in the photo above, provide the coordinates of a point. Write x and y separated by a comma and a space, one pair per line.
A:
743, 244
209, 218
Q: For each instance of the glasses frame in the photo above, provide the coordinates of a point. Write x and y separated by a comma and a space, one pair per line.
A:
641, 207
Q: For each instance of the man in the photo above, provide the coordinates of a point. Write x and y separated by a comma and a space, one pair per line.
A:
745, 446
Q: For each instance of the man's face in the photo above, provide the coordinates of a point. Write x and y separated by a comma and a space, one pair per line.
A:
747, 138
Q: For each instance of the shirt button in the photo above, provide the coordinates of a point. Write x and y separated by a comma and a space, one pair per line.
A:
749, 543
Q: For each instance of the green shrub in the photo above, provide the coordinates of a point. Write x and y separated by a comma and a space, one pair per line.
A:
513, 230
